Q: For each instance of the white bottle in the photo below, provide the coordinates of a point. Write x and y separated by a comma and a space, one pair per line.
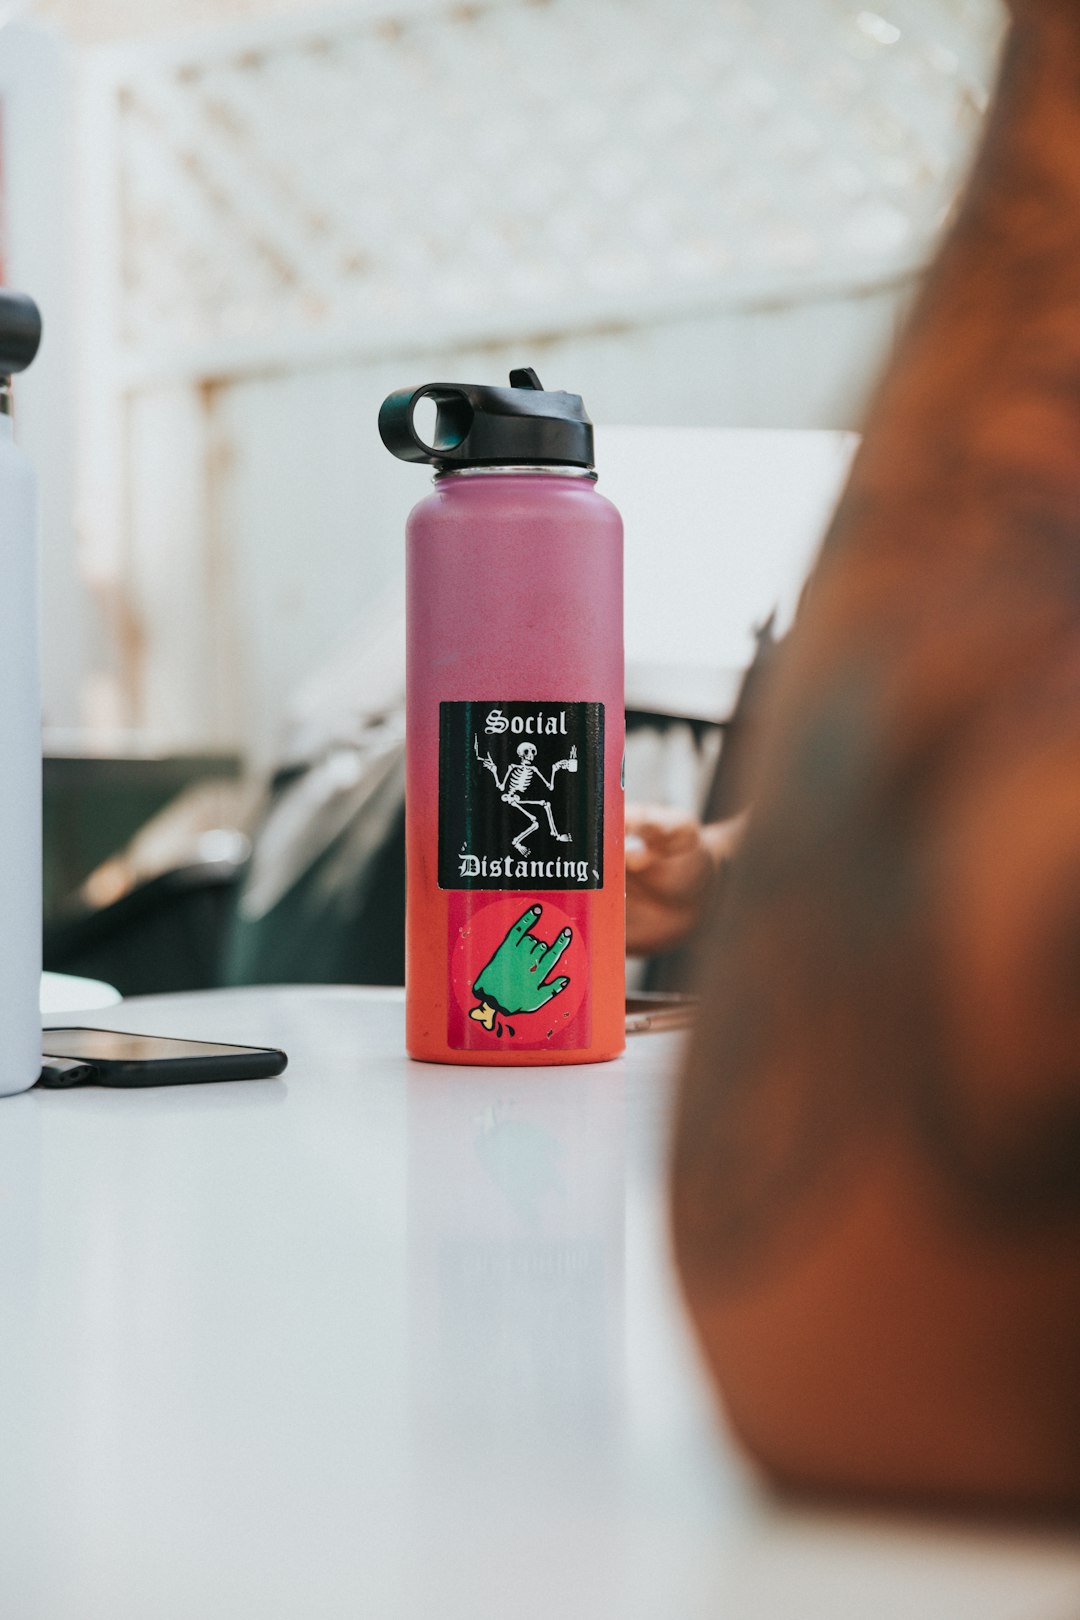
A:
20, 723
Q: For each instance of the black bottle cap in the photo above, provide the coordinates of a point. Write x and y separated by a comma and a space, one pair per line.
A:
522, 425
20, 331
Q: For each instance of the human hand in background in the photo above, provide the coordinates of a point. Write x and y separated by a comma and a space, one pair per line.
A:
671, 859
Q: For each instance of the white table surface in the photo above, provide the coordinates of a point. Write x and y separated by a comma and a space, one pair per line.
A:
382, 1340
64, 993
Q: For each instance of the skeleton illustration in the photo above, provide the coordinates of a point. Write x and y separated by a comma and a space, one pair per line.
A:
518, 780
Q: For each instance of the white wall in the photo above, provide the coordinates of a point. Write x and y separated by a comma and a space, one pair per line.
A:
685, 222
303, 522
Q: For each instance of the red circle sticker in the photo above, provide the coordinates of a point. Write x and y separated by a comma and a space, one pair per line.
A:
519, 970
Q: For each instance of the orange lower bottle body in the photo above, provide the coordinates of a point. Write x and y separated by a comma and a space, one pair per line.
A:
516, 978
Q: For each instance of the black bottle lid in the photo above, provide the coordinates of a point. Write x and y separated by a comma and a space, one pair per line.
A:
20, 331
522, 425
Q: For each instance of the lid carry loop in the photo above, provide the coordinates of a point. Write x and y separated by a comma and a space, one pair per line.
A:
476, 426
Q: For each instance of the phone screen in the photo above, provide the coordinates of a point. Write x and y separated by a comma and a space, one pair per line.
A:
110, 1046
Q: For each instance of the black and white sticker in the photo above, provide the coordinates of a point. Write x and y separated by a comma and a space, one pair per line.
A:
521, 795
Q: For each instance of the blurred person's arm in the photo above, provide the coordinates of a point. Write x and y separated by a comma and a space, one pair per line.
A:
671, 861
876, 1192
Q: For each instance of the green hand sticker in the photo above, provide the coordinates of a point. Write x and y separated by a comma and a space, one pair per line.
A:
514, 980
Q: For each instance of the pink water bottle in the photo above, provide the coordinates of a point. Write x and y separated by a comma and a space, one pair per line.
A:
515, 932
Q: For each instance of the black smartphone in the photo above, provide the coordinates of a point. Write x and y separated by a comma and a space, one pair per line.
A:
109, 1057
